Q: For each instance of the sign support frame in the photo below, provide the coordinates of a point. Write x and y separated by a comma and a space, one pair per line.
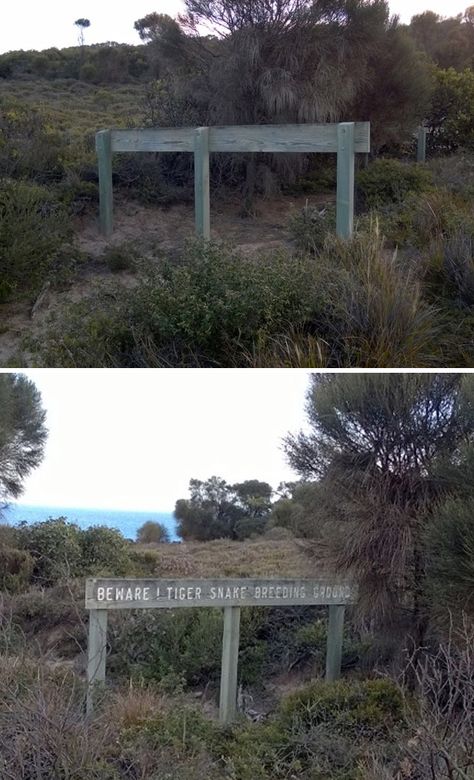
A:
103, 594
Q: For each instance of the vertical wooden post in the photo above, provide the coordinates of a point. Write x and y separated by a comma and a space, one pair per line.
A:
230, 657
345, 180
421, 146
96, 652
201, 182
103, 145
334, 643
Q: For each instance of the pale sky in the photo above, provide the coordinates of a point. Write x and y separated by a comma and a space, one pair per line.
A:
29, 24
132, 440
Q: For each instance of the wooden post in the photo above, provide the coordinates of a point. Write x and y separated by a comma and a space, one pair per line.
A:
334, 643
201, 182
421, 146
103, 145
230, 657
345, 179
96, 653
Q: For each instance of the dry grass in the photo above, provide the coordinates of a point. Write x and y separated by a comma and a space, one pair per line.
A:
224, 558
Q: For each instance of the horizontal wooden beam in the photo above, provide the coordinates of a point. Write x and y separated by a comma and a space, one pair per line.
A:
120, 593
318, 138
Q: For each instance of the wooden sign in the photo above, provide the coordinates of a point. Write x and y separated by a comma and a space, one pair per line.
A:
104, 594
168, 594
344, 139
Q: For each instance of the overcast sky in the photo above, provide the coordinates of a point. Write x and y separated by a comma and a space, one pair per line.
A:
29, 24
132, 440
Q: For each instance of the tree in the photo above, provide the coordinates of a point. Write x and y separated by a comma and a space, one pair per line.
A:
218, 510
83, 24
22, 433
374, 446
152, 532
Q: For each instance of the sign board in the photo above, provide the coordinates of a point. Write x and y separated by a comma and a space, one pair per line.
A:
104, 594
344, 139
168, 594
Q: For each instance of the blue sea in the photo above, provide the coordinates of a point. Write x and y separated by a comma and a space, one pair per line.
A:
126, 522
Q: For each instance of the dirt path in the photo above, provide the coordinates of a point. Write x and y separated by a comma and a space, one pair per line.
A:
155, 230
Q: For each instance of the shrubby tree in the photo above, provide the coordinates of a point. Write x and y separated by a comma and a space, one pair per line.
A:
22, 433
374, 447
217, 510
152, 532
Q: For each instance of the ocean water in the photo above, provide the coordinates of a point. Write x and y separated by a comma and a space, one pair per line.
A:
126, 522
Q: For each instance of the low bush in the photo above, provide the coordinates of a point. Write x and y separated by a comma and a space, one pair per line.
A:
16, 568
385, 181
311, 226
55, 548
370, 708
33, 228
104, 551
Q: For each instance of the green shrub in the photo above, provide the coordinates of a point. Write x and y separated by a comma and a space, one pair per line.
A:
33, 227
152, 532
422, 220
54, 545
104, 551
199, 311
389, 181
16, 568
370, 708
165, 645
29, 148
120, 258
310, 227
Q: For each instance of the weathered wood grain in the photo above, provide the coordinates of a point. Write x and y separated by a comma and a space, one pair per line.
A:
96, 653
229, 667
103, 145
307, 138
345, 180
201, 183
117, 593
334, 642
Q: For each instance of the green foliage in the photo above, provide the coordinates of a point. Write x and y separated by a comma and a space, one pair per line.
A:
168, 646
104, 551
22, 435
371, 707
55, 547
450, 554
451, 116
311, 226
387, 181
29, 146
122, 257
152, 532
217, 510
16, 568
33, 228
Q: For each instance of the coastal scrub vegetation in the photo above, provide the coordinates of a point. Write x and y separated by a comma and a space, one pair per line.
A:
398, 294
385, 499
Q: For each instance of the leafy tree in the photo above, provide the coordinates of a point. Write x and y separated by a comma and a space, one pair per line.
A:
374, 445
152, 532
82, 24
218, 510
22, 433
451, 116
